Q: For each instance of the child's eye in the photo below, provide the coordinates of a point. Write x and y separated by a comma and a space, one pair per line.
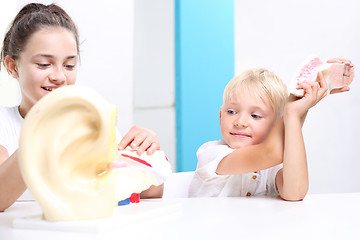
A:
231, 111
43, 65
70, 67
255, 116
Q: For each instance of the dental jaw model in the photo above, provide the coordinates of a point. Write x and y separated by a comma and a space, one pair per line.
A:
336, 75
66, 150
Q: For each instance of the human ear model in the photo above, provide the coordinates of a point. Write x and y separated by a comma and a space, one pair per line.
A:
67, 153
336, 75
67, 139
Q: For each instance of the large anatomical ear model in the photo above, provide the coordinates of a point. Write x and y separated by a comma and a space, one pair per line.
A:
67, 143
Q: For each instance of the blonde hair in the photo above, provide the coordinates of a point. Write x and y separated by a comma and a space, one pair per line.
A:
262, 83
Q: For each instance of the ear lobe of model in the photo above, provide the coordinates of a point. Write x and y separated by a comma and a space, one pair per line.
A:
66, 145
134, 174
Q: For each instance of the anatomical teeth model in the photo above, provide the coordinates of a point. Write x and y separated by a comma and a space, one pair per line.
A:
337, 75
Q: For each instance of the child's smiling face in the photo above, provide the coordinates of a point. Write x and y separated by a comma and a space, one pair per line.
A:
246, 119
48, 61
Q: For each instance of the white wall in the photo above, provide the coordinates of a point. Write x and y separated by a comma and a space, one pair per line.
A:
8, 86
154, 71
280, 35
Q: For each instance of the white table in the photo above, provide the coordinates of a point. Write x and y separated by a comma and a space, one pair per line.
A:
321, 216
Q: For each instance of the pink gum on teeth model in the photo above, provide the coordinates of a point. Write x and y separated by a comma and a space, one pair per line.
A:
336, 75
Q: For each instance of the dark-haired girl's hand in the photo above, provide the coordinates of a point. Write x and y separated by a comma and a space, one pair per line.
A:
141, 139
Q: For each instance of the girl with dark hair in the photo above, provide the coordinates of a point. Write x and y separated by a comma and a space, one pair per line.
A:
41, 51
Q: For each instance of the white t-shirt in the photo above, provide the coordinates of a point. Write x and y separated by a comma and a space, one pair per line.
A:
10, 126
206, 183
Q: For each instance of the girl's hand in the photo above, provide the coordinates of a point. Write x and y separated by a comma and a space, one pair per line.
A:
142, 139
349, 72
313, 93
347, 62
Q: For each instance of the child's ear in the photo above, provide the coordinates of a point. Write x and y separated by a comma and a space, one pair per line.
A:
11, 67
220, 114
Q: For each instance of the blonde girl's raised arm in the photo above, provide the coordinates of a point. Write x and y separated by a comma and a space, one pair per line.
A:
256, 157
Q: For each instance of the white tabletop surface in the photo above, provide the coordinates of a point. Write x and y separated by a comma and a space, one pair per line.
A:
321, 216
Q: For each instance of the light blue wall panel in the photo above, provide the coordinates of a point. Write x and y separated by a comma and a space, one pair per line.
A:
204, 49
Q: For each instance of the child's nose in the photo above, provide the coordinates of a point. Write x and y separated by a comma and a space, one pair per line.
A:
58, 75
241, 122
